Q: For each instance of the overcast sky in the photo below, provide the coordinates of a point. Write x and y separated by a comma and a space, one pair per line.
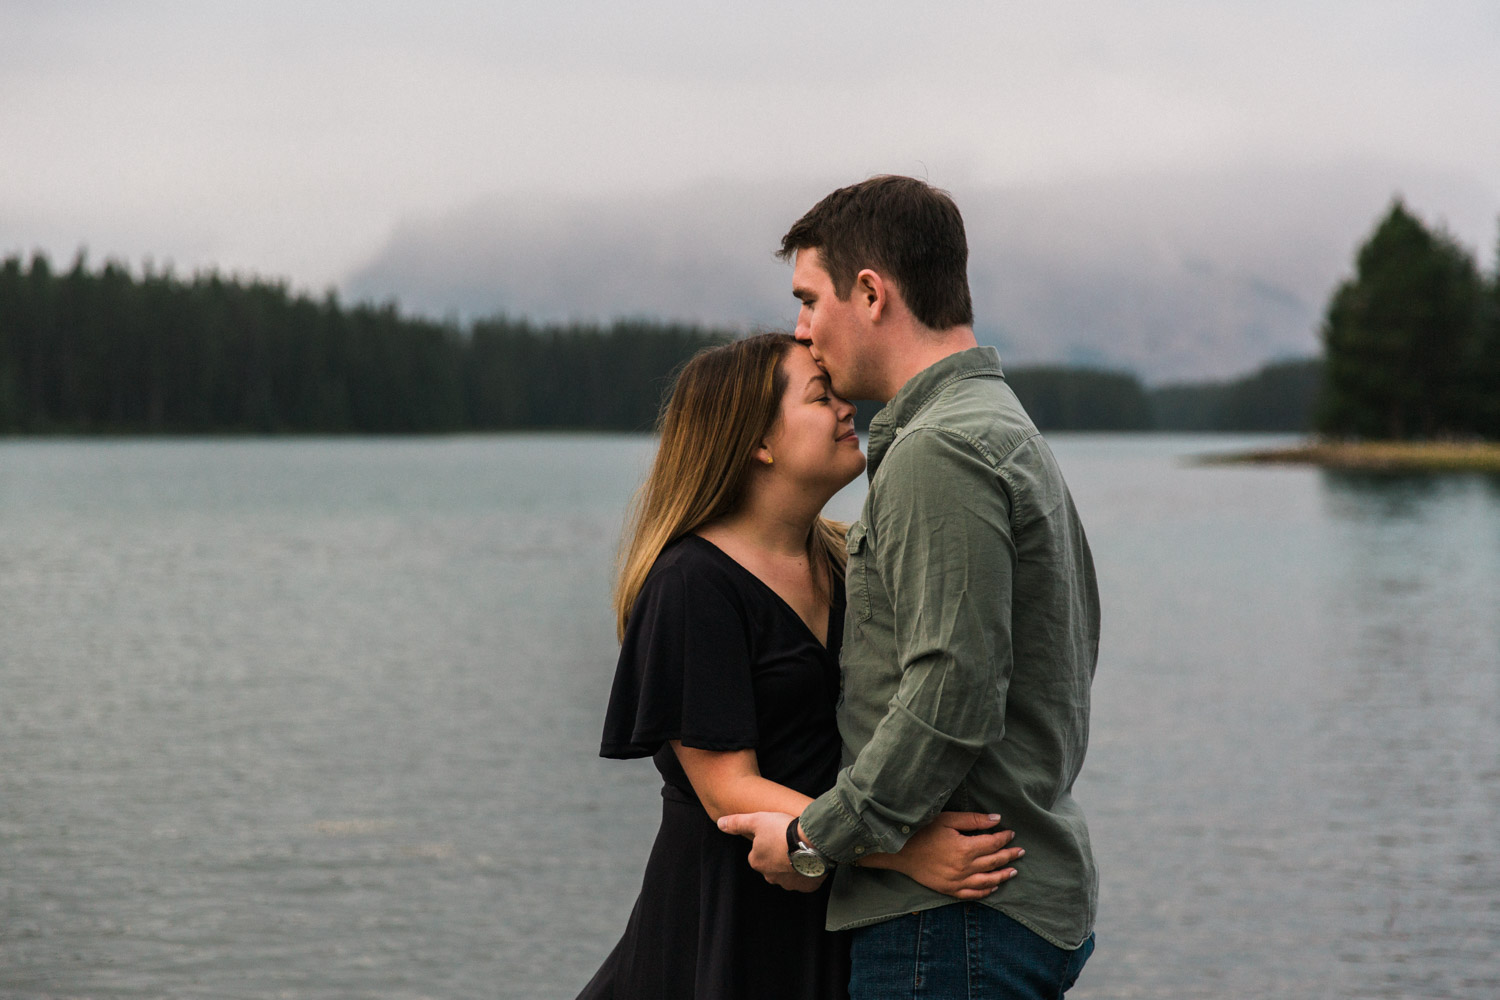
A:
303, 140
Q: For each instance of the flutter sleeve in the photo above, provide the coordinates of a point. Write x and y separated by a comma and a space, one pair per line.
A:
684, 671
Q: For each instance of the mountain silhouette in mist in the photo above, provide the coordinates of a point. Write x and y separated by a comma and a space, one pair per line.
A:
1170, 276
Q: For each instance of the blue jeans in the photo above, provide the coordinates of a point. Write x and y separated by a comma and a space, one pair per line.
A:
962, 951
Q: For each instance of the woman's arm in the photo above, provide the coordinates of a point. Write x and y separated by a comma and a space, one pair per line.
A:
952, 856
729, 781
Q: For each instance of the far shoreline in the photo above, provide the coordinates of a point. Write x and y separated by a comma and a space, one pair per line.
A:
1372, 456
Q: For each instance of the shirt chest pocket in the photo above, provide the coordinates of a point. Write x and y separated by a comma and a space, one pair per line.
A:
856, 578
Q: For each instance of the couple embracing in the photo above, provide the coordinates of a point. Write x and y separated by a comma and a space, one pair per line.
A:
873, 729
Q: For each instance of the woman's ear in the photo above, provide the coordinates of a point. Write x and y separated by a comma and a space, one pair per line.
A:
872, 293
763, 455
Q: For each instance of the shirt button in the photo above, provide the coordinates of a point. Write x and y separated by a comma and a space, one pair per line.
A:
859, 850
905, 828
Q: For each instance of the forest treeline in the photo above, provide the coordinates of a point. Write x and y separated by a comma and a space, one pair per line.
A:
90, 351
1279, 397
1412, 349
103, 351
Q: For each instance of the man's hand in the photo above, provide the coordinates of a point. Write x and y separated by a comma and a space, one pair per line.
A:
767, 833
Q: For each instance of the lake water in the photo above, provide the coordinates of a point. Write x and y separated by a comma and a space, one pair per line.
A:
318, 719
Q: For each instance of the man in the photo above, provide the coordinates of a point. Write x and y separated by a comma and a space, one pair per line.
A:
973, 621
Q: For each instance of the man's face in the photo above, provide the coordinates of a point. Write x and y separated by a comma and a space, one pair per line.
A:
829, 326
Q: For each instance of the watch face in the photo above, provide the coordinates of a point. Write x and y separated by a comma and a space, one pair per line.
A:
809, 864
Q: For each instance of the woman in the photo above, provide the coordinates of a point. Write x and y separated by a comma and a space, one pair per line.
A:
730, 609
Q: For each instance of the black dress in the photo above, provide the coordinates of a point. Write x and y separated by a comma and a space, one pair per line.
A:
714, 658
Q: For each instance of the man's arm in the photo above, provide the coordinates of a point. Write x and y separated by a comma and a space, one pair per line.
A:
943, 548
952, 855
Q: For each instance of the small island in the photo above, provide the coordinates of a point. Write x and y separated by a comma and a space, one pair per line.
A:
1411, 362
1374, 456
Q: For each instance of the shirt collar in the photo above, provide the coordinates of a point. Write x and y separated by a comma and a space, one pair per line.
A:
920, 389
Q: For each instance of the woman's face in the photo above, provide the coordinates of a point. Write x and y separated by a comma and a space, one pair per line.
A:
813, 441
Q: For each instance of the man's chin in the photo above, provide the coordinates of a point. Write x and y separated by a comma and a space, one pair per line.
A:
849, 392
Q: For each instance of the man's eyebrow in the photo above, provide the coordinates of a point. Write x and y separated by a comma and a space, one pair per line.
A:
801, 294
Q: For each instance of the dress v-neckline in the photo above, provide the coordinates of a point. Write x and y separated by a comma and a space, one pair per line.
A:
828, 625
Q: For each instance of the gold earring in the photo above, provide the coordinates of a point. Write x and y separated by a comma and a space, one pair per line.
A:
768, 460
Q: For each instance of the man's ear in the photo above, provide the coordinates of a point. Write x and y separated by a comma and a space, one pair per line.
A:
871, 292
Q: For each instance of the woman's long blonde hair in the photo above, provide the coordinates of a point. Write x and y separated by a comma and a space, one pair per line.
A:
725, 402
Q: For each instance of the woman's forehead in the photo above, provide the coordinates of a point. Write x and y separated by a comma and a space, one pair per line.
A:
801, 368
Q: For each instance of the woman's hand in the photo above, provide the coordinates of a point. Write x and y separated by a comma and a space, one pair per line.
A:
946, 857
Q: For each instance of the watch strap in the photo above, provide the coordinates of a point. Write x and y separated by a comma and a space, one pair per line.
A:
796, 845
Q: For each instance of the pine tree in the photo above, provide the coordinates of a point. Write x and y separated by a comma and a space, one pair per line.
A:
1402, 336
1487, 366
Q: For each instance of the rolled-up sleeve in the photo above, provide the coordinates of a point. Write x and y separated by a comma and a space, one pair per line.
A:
940, 544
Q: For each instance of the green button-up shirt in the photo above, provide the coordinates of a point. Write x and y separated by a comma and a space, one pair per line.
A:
969, 647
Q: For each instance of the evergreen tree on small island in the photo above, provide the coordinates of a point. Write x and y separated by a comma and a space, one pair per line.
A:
1487, 404
1410, 340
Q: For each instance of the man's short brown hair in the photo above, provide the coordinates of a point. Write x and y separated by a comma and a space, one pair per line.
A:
901, 227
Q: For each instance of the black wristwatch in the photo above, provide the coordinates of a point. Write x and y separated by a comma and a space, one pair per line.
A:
804, 857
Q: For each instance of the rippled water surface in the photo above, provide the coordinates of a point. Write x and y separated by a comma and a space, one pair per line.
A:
317, 719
